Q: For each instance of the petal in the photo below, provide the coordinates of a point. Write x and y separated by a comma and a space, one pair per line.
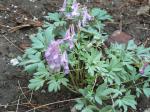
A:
64, 6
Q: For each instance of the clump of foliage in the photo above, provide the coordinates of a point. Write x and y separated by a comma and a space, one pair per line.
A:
69, 50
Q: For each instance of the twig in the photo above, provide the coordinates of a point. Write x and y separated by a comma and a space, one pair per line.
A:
121, 23
13, 29
53, 104
18, 104
142, 28
4, 26
22, 91
12, 43
29, 101
31, 97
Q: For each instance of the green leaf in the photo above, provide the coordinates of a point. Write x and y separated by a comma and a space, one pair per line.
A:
41, 67
59, 23
53, 16
95, 11
56, 81
146, 92
109, 91
98, 99
63, 81
30, 51
86, 109
100, 14
36, 43
107, 108
49, 35
36, 83
53, 86
147, 71
26, 62
128, 100
79, 105
32, 67
138, 92
131, 45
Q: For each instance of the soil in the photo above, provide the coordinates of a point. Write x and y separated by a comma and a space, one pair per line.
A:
13, 81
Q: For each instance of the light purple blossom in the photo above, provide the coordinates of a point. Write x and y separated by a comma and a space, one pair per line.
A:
64, 6
55, 59
64, 62
53, 56
70, 33
142, 69
75, 7
69, 16
86, 17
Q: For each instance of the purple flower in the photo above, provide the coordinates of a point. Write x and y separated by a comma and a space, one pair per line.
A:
75, 7
86, 17
142, 69
53, 55
70, 33
64, 62
55, 58
69, 16
64, 6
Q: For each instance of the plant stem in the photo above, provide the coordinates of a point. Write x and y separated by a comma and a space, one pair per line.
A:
73, 81
71, 89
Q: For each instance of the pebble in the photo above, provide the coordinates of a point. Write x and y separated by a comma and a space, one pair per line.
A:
14, 61
143, 10
120, 37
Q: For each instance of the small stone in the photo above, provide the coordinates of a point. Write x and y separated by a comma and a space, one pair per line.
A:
43, 91
119, 37
15, 6
32, 0
143, 10
14, 11
25, 19
14, 61
35, 18
8, 8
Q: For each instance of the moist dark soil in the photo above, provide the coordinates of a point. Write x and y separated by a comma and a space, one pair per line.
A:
14, 94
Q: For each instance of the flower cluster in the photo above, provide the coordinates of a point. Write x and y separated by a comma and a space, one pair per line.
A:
53, 54
77, 10
70, 33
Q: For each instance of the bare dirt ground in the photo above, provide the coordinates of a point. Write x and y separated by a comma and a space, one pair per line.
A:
20, 18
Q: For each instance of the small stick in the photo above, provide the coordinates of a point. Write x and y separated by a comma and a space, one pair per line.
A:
4, 25
31, 97
13, 29
29, 101
121, 23
18, 104
53, 104
12, 43
22, 91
